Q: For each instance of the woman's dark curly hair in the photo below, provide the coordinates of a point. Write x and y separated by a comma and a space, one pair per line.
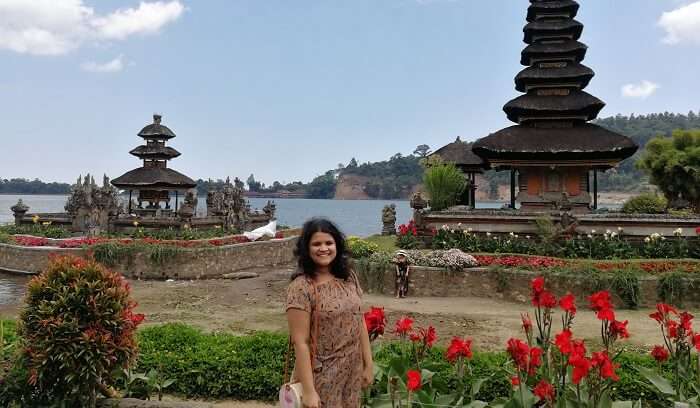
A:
340, 267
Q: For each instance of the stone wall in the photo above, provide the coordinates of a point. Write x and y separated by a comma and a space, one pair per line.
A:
511, 285
187, 263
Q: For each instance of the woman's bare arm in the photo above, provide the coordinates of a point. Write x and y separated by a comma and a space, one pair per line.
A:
299, 328
367, 363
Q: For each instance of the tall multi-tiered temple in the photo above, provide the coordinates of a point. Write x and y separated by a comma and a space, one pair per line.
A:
154, 181
554, 151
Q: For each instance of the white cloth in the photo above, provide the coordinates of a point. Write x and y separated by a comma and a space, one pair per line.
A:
268, 230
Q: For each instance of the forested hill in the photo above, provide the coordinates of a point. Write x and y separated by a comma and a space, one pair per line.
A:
24, 186
641, 128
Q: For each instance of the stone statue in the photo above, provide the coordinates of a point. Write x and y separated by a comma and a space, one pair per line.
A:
389, 220
19, 210
270, 209
419, 204
189, 206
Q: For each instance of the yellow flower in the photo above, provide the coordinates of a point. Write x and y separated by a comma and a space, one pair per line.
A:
136, 223
217, 226
35, 219
46, 223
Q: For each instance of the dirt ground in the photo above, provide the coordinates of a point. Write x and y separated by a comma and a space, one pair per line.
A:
243, 306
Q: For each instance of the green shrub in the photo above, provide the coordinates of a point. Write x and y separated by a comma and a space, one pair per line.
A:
76, 329
361, 248
673, 287
214, 365
112, 253
646, 203
39, 230
444, 184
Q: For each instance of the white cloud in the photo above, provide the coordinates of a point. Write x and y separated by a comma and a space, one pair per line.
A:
682, 24
641, 90
55, 27
115, 65
148, 18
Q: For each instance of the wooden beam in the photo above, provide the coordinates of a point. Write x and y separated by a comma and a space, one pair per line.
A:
595, 189
512, 188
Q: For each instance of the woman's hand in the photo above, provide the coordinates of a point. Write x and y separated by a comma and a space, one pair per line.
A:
367, 376
311, 400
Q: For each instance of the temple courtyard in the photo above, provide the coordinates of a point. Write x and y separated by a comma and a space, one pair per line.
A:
248, 305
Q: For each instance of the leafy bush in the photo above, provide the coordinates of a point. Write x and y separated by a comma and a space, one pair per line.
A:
444, 184
214, 365
407, 236
77, 327
647, 203
360, 248
39, 230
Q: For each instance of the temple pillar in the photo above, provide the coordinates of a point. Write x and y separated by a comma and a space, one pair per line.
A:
512, 188
595, 189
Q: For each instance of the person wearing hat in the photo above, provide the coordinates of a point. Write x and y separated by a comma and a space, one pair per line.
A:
402, 272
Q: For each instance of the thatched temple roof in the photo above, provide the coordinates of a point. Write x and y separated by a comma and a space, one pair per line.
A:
460, 153
156, 131
153, 178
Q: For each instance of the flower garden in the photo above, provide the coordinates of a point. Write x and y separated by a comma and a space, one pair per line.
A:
84, 347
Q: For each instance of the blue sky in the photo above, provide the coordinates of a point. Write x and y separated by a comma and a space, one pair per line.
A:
288, 89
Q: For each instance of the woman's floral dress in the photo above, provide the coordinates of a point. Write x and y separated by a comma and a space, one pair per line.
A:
339, 365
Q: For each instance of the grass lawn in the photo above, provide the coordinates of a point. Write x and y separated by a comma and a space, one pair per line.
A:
386, 242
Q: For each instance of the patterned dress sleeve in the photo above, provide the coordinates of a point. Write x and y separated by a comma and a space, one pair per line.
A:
298, 296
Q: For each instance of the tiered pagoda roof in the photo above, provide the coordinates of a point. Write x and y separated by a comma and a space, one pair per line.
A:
552, 114
154, 174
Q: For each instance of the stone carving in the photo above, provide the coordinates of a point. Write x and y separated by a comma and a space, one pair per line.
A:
389, 220
19, 210
270, 208
189, 206
419, 204
229, 203
91, 206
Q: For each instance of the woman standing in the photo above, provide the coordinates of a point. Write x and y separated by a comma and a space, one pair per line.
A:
324, 312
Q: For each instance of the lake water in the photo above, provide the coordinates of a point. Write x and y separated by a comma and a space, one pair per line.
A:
354, 217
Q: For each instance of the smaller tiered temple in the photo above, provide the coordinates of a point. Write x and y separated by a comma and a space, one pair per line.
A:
553, 150
154, 181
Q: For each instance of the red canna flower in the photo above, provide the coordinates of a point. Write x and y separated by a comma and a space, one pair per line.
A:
545, 299
568, 303
535, 357
459, 348
663, 312
415, 337
429, 336
696, 341
659, 353
672, 327
413, 380
404, 326
563, 342
687, 321
602, 361
544, 391
375, 322
601, 303
515, 380
537, 285
520, 353
618, 330
581, 366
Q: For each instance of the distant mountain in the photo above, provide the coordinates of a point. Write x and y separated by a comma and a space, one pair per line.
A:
25, 186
